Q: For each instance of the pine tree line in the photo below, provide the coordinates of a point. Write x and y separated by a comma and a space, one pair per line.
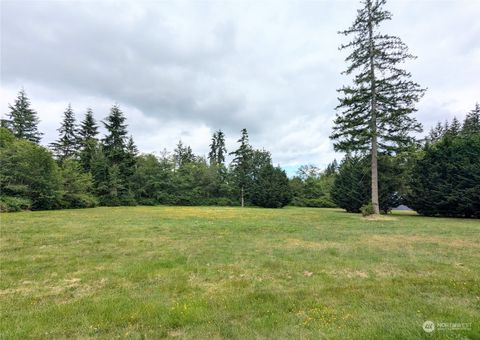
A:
88, 170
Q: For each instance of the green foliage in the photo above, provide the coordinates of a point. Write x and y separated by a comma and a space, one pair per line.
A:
76, 186
270, 188
29, 171
216, 156
446, 179
10, 204
120, 157
351, 187
152, 181
311, 187
87, 140
66, 147
367, 209
471, 125
381, 99
242, 165
22, 120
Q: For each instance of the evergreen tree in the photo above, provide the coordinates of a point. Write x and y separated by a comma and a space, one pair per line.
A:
183, 155
88, 140
130, 162
471, 125
374, 113
23, 120
455, 127
99, 168
446, 180
436, 133
242, 165
218, 150
270, 188
115, 142
67, 145
121, 161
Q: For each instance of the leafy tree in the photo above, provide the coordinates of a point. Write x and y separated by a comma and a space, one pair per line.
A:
218, 150
152, 181
76, 186
28, 171
23, 121
87, 139
242, 165
270, 187
374, 113
67, 145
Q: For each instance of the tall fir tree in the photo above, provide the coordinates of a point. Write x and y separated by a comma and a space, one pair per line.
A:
88, 140
23, 120
120, 160
374, 113
115, 141
66, 147
241, 165
216, 156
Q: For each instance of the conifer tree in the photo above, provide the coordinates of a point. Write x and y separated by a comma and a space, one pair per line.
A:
115, 142
67, 145
374, 112
23, 120
471, 125
216, 156
183, 155
242, 164
88, 139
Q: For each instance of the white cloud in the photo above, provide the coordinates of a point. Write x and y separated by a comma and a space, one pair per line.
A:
183, 69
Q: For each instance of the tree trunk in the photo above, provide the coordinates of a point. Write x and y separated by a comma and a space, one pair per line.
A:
241, 199
375, 203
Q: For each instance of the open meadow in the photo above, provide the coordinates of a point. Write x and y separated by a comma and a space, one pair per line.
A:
216, 272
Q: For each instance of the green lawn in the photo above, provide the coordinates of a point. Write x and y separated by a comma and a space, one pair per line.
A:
198, 272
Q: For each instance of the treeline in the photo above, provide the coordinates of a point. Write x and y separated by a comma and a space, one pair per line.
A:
438, 177
83, 169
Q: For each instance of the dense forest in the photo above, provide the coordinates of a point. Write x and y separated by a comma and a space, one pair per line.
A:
441, 176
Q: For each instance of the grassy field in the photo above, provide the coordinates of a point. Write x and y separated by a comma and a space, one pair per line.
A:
198, 272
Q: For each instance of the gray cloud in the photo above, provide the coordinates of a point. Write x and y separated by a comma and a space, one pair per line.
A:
182, 69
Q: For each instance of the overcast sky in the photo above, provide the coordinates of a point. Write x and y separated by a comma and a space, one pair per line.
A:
182, 69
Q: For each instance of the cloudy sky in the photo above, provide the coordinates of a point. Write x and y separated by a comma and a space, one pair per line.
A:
182, 69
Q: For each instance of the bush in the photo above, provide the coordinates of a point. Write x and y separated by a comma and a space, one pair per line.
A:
446, 180
8, 203
367, 209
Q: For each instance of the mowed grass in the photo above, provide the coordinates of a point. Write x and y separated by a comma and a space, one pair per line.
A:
202, 272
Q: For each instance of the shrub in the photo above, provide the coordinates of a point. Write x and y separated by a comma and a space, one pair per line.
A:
9, 203
367, 209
